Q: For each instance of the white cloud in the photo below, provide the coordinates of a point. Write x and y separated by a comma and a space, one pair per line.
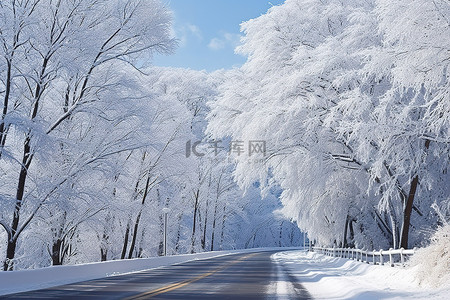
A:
227, 39
195, 30
216, 44
184, 32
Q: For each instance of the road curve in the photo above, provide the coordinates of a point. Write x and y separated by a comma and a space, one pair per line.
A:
237, 276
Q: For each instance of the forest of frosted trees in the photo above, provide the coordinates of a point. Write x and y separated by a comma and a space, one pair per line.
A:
351, 100
93, 142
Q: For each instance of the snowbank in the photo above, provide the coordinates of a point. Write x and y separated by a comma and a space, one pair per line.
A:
338, 278
27, 280
433, 262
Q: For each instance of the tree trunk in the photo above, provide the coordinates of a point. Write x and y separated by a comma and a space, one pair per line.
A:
3, 128
222, 234
56, 252
161, 227
344, 241
104, 246
12, 243
194, 225
214, 225
138, 219
407, 213
104, 243
10, 253
134, 235
103, 254
161, 236
409, 206
203, 241
177, 242
352, 233
125, 242
281, 234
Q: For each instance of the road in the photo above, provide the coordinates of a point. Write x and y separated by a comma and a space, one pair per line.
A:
237, 276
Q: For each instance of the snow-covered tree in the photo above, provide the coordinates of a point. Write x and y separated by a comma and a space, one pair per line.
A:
348, 137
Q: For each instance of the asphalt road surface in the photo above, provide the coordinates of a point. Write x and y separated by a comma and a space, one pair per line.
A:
237, 276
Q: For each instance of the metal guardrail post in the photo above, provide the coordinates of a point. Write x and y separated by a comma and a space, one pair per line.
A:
391, 260
381, 257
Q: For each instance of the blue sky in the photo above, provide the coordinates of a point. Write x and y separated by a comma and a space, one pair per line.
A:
208, 31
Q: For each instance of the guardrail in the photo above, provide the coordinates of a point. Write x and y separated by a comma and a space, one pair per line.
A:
377, 257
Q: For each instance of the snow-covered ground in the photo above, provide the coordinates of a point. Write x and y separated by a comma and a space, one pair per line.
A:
27, 280
338, 278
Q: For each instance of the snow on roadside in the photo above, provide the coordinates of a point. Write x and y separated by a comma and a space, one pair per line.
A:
338, 278
433, 262
27, 280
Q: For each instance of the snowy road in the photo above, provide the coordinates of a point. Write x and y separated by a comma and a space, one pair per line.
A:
237, 276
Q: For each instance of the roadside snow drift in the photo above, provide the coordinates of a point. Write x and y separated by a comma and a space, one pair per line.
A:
338, 278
